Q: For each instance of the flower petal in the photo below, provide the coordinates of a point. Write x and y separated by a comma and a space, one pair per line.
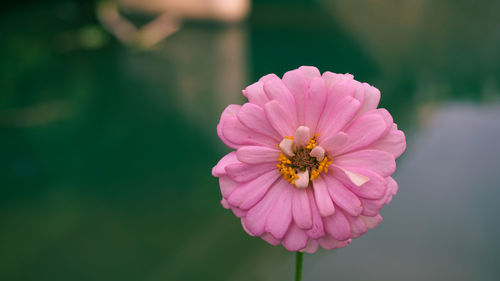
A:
315, 103
374, 188
340, 115
270, 239
358, 226
249, 193
296, 82
323, 200
394, 142
301, 210
253, 117
310, 72
337, 226
276, 90
234, 134
372, 98
220, 169
257, 154
255, 220
343, 197
380, 162
317, 229
295, 239
227, 185
279, 118
279, 219
311, 247
330, 243
331, 79
372, 222
242, 172
255, 94
363, 131
334, 143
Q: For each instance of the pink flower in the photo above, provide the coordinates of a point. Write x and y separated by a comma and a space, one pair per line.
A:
313, 161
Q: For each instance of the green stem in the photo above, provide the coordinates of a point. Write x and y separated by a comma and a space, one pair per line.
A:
298, 266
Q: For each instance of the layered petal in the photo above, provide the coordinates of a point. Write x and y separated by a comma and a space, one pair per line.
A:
363, 131
248, 194
380, 162
323, 200
301, 209
280, 120
257, 154
280, 217
343, 197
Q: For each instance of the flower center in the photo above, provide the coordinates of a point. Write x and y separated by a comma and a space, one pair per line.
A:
301, 164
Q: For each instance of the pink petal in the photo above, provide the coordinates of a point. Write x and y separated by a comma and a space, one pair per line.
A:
380, 162
301, 210
276, 90
270, 239
337, 226
224, 203
253, 117
315, 103
331, 79
393, 185
227, 185
371, 207
323, 200
346, 87
317, 229
364, 131
311, 247
310, 72
279, 219
296, 82
394, 142
358, 226
248, 194
372, 222
257, 154
220, 168
386, 116
334, 143
238, 212
268, 77
295, 239
330, 243
372, 98
343, 197
242, 172
255, 94
374, 188
234, 134
279, 118
255, 220
341, 115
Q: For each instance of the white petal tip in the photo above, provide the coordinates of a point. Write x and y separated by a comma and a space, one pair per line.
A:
287, 146
318, 152
302, 136
303, 180
357, 179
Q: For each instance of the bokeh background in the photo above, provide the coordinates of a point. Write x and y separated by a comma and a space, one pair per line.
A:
107, 135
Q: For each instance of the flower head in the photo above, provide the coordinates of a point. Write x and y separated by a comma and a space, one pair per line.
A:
313, 161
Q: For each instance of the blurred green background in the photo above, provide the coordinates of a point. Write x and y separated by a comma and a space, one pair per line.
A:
106, 148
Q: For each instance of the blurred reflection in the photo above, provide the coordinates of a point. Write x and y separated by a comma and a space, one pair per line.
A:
170, 13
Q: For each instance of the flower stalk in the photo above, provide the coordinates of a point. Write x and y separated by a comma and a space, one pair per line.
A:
298, 266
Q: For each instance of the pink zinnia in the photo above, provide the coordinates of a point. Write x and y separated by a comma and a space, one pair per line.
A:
313, 161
